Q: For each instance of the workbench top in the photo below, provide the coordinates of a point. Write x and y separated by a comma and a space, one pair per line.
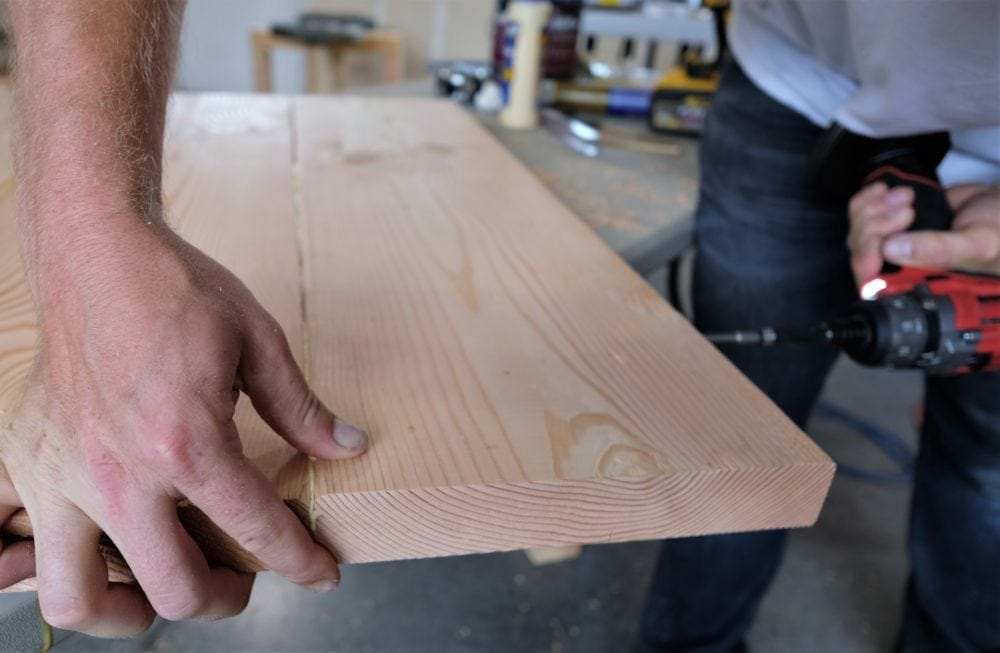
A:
640, 204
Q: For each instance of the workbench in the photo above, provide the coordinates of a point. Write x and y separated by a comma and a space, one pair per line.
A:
640, 204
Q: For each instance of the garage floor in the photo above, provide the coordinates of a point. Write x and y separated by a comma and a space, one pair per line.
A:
840, 588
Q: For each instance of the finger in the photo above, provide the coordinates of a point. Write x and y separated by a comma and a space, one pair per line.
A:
867, 237
866, 196
866, 262
170, 567
239, 499
878, 197
899, 196
17, 562
17, 559
279, 392
975, 247
73, 588
878, 223
865, 242
876, 220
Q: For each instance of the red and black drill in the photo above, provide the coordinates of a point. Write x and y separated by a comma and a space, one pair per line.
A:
939, 321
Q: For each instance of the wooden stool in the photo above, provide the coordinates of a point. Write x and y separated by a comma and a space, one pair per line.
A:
326, 65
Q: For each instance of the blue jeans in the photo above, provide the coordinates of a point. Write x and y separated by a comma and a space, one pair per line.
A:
770, 254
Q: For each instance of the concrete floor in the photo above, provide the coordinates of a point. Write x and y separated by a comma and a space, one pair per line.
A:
840, 588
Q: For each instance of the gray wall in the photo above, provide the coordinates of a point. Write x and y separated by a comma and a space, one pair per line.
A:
215, 45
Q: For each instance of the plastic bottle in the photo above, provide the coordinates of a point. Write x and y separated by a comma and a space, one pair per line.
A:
559, 60
521, 111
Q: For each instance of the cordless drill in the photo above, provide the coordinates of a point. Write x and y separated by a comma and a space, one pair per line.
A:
939, 321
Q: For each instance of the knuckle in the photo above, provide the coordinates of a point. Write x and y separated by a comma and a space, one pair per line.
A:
68, 612
867, 229
271, 332
310, 407
274, 540
110, 480
867, 203
874, 220
270, 323
171, 450
264, 536
271, 349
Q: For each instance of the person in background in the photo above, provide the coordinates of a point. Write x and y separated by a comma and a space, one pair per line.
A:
146, 344
770, 253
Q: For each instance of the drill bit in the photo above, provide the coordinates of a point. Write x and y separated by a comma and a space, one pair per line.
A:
764, 337
837, 332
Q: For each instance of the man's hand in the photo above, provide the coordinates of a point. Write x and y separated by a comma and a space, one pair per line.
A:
129, 409
145, 345
880, 216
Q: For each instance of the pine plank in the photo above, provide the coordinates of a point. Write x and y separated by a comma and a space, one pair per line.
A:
522, 386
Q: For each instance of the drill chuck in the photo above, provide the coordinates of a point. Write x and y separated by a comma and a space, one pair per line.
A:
913, 330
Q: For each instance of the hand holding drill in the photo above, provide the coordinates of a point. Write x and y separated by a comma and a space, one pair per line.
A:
880, 217
911, 243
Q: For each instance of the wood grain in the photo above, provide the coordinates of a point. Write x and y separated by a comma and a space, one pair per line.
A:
522, 386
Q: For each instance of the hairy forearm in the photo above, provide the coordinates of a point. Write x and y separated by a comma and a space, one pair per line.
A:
91, 81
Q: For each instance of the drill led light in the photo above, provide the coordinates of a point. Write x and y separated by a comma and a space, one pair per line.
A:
871, 289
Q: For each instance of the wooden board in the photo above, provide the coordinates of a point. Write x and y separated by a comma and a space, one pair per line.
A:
522, 386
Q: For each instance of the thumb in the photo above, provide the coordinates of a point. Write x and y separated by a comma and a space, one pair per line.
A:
973, 248
279, 392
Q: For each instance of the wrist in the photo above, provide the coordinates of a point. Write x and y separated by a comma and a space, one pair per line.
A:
85, 184
82, 256
56, 234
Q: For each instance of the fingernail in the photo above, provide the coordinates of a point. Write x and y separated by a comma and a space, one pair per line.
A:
324, 586
347, 435
898, 196
899, 248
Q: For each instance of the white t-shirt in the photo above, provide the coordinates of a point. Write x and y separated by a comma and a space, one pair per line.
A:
883, 68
